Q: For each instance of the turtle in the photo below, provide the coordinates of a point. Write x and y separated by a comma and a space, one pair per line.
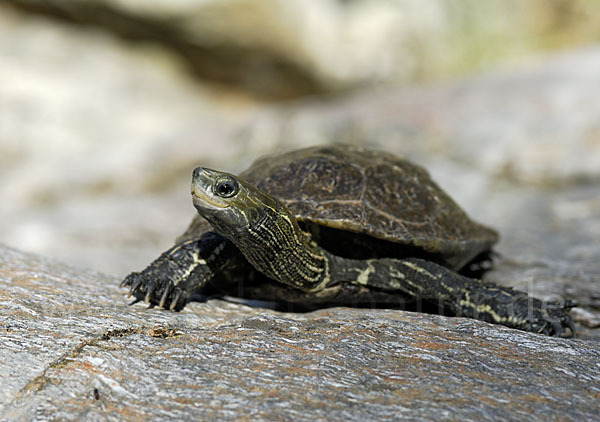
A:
337, 225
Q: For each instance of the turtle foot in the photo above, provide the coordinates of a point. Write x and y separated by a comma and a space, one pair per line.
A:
155, 291
549, 318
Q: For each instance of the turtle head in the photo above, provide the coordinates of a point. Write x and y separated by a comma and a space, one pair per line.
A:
231, 205
260, 226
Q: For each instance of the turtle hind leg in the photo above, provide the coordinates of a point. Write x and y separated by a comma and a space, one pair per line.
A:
457, 294
180, 271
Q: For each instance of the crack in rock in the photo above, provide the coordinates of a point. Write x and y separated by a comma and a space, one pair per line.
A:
39, 382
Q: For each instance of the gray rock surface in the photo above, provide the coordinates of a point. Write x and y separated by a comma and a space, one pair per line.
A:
72, 349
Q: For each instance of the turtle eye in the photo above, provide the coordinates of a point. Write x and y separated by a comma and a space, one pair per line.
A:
226, 187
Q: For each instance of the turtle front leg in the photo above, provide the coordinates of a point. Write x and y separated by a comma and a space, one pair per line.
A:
460, 295
181, 270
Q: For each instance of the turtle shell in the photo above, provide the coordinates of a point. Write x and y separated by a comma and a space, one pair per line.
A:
375, 194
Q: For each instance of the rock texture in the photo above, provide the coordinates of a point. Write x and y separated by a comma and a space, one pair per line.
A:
72, 349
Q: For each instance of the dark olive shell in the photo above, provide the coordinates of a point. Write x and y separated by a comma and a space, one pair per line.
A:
374, 193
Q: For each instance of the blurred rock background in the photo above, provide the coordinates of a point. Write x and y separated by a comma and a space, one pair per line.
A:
106, 106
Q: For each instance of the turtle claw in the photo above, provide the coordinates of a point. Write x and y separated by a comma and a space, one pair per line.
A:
127, 281
562, 324
564, 328
135, 285
155, 292
557, 323
175, 300
165, 295
149, 290
571, 327
557, 329
133, 280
